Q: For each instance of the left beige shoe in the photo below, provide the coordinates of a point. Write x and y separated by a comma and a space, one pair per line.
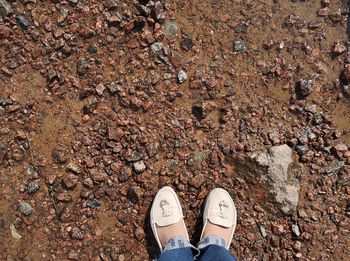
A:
166, 210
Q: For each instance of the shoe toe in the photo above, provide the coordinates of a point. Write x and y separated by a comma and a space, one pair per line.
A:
166, 209
220, 209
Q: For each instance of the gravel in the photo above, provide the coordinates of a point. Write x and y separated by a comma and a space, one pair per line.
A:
239, 46
2, 223
92, 96
32, 187
296, 230
139, 166
187, 44
5, 8
182, 76
25, 208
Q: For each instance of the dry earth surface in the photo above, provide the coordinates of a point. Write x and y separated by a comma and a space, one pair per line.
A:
104, 102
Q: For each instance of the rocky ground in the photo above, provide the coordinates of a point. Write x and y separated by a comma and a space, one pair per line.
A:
104, 102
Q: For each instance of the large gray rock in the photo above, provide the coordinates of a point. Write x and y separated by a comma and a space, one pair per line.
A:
281, 183
272, 176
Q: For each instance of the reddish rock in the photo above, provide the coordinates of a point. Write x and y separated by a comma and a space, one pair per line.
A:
70, 181
323, 12
98, 175
4, 32
347, 72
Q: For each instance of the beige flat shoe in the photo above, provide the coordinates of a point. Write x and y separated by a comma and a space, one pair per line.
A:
166, 210
220, 210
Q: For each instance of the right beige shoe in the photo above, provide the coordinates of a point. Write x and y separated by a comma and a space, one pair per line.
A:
220, 211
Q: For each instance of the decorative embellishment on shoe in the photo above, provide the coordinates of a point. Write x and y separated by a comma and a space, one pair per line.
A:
222, 205
164, 204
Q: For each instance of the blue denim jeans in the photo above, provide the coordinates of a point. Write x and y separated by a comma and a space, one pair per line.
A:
210, 248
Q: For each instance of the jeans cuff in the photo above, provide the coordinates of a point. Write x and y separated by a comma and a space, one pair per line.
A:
211, 240
180, 242
177, 242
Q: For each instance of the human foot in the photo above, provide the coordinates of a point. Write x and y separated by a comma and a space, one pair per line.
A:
219, 216
167, 217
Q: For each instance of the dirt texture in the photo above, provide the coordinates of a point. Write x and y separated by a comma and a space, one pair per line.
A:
104, 102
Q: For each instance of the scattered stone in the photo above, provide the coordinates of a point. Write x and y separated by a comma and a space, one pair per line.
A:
100, 89
63, 197
339, 48
347, 73
198, 158
76, 234
323, 12
70, 181
52, 76
182, 76
14, 232
187, 44
197, 181
32, 187
93, 203
170, 28
159, 11
239, 46
334, 167
157, 47
22, 21
5, 8
115, 133
139, 166
98, 175
115, 20
82, 66
135, 156
110, 4
92, 49
2, 223
144, 10
25, 208
135, 194
242, 28
4, 32
341, 147
262, 231
296, 230
21, 135
306, 87
139, 233
3, 152
73, 255
59, 156
311, 108
74, 168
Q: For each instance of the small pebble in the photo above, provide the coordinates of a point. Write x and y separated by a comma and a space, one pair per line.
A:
239, 46
25, 208
296, 230
139, 166
262, 231
32, 187
182, 76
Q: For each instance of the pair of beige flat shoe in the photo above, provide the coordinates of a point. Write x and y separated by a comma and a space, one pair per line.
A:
219, 210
